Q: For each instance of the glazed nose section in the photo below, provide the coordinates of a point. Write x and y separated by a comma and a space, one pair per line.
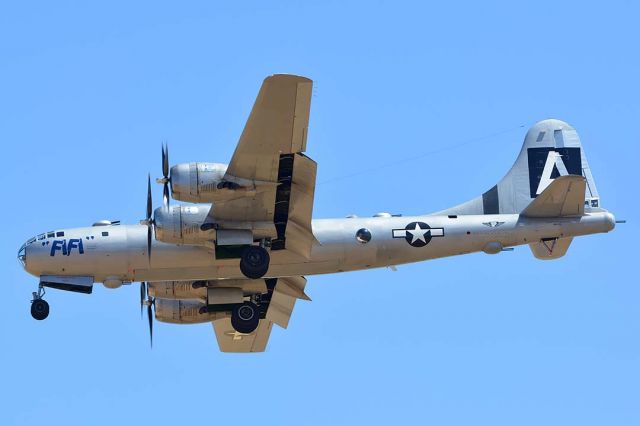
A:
22, 255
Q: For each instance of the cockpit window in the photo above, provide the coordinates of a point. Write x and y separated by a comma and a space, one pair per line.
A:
41, 237
51, 234
31, 240
60, 234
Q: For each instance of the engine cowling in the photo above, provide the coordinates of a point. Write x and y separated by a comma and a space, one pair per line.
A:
215, 291
184, 312
178, 289
196, 182
181, 224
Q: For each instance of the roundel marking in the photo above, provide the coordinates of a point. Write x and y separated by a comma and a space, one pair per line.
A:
418, 234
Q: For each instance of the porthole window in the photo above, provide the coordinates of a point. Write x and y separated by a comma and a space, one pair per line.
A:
363, 235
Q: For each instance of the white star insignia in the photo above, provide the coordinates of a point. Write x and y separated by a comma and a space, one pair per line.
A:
418, 233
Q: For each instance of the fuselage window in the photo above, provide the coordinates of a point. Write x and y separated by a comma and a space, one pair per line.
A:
60, 234
105, 234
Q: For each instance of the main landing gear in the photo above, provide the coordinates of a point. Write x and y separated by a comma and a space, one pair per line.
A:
245, 317
254, 262
39, 306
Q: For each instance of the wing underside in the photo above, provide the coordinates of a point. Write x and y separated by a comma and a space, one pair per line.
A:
269, 160
281, 300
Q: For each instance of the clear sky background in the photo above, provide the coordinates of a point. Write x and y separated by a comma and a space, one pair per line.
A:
416, 107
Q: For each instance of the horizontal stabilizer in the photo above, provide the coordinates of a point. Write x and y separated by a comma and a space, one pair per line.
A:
563, 197
550, 248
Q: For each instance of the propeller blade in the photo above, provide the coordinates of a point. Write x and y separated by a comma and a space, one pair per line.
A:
165, 161
149, 200
149, 237
142, 296
149, 315
165, 196
149, 219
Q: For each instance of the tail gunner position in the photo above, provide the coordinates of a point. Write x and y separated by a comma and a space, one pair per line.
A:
236, 254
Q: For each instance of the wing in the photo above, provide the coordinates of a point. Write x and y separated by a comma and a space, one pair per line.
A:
277, 125
283, 293
269, 162
230, 340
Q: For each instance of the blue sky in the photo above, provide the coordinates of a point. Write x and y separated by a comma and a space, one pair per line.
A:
416, 107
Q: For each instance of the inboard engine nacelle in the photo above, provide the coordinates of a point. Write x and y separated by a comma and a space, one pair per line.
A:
181, 224
197, 182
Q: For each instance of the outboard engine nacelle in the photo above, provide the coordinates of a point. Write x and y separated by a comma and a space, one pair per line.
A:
184, 311
196, 182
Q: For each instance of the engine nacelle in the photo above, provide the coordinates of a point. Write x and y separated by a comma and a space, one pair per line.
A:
178, 290
213, 291
181, 224
196, 182
184, 312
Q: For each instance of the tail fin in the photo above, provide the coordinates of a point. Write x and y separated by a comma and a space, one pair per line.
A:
551, 149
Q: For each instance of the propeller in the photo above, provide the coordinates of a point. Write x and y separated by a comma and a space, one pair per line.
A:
145, 299
165, 180
148, 221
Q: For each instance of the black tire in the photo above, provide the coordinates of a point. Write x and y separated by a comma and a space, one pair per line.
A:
254, 262
245, 317
39, 309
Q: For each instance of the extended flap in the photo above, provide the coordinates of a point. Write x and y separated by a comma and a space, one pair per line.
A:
283, 299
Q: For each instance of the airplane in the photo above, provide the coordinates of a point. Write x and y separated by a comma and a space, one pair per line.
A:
236, 254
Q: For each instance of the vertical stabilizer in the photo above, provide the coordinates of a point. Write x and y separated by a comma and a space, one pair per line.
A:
551, 149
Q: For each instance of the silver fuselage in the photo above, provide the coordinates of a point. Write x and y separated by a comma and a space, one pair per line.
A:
122, 254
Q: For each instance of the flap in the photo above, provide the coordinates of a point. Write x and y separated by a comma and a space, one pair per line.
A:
283, 299
563, 197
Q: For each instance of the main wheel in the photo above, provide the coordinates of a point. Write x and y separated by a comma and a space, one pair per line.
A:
254, 262
245, 317
39, 309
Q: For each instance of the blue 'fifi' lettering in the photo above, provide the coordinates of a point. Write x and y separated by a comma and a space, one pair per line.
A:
65, 247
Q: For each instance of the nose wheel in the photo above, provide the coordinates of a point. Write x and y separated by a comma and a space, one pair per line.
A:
39, 306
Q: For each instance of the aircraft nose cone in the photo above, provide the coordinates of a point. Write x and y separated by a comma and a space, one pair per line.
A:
22, 255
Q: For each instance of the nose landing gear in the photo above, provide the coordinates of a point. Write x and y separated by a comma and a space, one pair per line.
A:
39, 306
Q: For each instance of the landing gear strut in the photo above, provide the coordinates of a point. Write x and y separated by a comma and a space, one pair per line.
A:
39, 306
254, 262
245, 317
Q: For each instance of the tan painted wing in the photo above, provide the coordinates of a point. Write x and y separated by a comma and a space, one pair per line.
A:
277, 126
230, 340
283, 299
